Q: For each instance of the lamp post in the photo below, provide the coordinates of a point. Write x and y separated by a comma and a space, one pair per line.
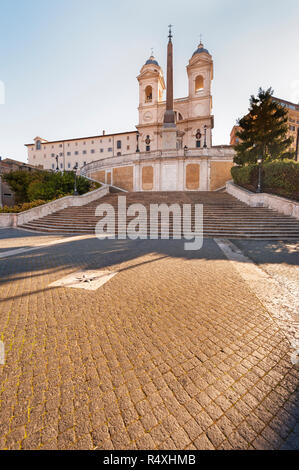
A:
205, 139
185, 150
259, 184
137, 136
75, 187
57, 167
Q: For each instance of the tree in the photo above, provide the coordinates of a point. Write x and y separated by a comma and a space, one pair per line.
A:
45, 185
263, 131
19, 182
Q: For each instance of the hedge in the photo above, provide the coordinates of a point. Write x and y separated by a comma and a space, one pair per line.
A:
22, 207
279, 177
46, 185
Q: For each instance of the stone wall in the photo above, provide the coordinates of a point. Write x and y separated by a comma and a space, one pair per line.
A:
192, 176
147, 178
219, 174
172, 170
13, 220
277, 203
98, 176
123, 177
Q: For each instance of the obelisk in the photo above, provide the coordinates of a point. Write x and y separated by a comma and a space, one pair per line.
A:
169, 132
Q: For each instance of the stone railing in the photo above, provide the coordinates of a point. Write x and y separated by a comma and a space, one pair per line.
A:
277, 203
16, 219
223, 152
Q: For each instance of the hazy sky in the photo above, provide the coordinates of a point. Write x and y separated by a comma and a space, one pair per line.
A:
70, 66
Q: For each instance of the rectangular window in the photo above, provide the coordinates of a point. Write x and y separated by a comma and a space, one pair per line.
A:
61, 165
101, 150
109, 149
92, 151
53, 166
198, 143
69, 154
128, 147
118, 144
84, 152
76, 153
69, 165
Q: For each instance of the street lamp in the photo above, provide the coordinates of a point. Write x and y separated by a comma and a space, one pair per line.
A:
205, 140
137, 136
57, 167
259, 184
185, 150
75, 187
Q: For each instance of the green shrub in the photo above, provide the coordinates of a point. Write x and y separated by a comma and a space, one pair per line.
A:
279, 177
45, 185
22, 207
19, 182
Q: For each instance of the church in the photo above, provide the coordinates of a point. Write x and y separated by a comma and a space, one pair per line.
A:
171, 150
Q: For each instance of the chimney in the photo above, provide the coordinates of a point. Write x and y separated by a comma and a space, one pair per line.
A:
104, 132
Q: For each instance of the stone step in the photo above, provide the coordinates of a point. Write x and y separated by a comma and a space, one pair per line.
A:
266, 226
280, 236
223, 216
271, 220
205, 228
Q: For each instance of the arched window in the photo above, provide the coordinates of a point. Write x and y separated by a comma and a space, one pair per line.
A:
38, 145
199, 83
148, 94
178, 116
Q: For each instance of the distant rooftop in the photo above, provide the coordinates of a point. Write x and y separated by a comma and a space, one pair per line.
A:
288, 104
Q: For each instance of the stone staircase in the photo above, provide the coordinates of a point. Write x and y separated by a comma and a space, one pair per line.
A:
224, 216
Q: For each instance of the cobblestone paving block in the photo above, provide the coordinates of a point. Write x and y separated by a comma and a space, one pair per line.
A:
175, 352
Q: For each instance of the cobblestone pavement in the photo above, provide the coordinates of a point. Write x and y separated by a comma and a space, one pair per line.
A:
11, 239
174, 352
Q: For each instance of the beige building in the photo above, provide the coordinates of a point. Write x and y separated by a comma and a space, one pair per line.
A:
139, 160
79, 151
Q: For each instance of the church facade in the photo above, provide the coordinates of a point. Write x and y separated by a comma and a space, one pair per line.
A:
172, 146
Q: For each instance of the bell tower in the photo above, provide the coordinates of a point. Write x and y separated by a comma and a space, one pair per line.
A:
200, 76
151, 88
